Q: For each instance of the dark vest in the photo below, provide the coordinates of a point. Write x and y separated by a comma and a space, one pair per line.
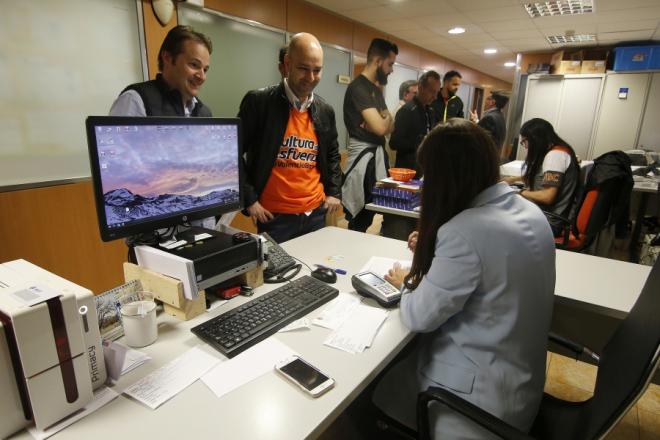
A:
160, 100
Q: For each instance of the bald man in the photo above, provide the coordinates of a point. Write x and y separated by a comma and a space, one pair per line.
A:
292, 175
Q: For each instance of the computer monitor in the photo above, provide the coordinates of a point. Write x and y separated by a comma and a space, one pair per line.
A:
156, 172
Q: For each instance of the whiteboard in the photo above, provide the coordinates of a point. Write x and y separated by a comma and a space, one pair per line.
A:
60, 61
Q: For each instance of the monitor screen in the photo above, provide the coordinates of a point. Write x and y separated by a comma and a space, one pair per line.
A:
151, 173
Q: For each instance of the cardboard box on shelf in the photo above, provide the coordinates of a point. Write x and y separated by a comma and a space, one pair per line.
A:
563, 62
593, 60
593, 66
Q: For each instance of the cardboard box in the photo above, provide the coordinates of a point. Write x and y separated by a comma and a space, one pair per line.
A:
594, 60
563, 62
593, 66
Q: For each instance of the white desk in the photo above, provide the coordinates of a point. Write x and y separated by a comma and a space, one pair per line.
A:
269, 407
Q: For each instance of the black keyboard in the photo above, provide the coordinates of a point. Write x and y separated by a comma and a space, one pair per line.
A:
241, 328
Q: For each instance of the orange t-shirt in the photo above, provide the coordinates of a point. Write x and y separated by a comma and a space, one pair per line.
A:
294, 185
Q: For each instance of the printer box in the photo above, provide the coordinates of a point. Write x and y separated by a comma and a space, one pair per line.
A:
52, 347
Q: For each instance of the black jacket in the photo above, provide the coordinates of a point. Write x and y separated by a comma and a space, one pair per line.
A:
454, 108
265, 114
493, 121
614, 165
412, 123
160, 100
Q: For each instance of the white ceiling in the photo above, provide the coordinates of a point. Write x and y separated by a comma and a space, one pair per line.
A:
501, 24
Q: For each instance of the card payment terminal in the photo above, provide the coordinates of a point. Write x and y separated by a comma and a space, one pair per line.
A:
374, 286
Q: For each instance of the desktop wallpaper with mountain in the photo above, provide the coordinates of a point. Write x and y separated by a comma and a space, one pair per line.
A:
153, 171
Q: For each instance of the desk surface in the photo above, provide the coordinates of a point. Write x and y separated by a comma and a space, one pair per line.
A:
271, 408
268, 407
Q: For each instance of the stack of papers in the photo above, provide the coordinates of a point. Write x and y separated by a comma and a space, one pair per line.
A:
170, 379
381, 265
358, 330
337, 311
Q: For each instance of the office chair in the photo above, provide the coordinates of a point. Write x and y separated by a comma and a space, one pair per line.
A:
593, 214
625, 369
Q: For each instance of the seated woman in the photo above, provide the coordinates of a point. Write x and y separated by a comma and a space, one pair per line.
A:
551, 172
480, 290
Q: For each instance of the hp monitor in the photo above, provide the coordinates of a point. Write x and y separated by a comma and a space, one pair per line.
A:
157, 172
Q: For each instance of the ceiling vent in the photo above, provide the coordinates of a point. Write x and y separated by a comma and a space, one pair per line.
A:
559, 7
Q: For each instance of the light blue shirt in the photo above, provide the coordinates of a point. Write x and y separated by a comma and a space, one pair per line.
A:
484, 307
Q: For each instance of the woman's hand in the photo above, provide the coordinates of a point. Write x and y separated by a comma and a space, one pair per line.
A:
412, 240
396, 275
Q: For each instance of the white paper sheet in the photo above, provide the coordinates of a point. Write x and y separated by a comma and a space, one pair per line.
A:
336, 312
215, 304
299, 324
358, 330
247, 366
170, 379
121, 359
102, 396
381, 265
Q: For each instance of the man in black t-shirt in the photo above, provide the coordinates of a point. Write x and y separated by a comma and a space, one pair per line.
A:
367, 121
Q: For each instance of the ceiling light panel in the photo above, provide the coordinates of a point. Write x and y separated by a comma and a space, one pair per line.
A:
571, 39
559, 7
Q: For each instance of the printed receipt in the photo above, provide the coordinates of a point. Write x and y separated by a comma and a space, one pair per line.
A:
170, 379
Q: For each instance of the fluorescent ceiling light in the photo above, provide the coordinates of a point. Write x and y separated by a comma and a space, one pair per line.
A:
559, 7
456, 30
567, 39
490, 51
510, 64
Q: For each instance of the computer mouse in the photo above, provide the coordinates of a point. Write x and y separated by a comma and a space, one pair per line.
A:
325, 274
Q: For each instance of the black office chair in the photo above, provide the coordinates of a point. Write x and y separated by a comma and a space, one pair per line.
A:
625, 368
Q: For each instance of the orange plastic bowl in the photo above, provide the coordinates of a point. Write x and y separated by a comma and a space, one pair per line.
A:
402, 174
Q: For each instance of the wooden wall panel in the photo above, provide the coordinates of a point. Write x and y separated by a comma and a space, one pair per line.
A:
154, 34
326, 26
270, 12
56, 228
533, 58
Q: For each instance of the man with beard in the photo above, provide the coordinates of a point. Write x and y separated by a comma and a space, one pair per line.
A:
367, 121
291, 158
449, 105
183, 61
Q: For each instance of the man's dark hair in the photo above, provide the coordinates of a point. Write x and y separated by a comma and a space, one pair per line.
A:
381, 48
500, 99
173, 42
283, 50
449, 75
403, 88
426, 76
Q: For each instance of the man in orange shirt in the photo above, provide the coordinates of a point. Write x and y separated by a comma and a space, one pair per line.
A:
291, 153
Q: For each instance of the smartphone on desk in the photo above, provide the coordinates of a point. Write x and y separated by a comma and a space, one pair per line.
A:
308, 378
